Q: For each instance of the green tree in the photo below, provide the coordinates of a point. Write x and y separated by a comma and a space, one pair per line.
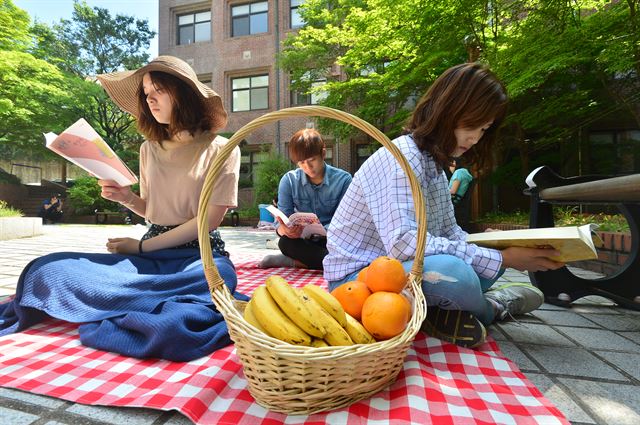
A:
35, 96
95, 42
563, 63
14, 24
268, 175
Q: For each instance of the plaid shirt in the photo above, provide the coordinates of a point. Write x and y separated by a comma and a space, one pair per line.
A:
377, 217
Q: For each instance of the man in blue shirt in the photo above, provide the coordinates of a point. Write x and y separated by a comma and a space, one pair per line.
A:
313, 187
51, 209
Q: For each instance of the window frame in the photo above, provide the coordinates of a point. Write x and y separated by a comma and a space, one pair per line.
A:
249, 89
248, 15
309, 98
293, 9
256, 155
192, 25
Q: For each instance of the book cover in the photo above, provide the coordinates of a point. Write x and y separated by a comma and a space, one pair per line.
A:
309, 221
83, 146
575, 243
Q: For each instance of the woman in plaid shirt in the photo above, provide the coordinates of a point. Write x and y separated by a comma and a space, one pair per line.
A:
460, 113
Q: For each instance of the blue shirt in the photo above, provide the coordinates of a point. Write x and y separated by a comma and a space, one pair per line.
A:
465, 179
297, 194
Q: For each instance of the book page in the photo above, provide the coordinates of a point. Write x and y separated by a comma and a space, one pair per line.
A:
309, 221
83, 146
278, 213
574, 243
303, 219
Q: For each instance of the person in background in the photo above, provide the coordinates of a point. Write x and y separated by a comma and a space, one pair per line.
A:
51, 209
314, 187
458, 182
459, 115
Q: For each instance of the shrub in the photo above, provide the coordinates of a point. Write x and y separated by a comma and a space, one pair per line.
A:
7, 211
564, 216
268, 175
85, 197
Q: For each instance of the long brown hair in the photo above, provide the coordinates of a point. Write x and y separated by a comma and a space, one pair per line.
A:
304, 144
464, 96
187, 112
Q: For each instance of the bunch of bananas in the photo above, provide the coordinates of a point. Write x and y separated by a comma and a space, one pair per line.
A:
309, 316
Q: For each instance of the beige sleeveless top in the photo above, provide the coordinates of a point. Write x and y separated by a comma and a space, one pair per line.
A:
171, 179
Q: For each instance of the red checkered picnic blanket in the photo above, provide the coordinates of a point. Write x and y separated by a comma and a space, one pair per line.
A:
440, 383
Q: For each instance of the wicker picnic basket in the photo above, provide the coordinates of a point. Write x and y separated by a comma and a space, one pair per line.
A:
302, 380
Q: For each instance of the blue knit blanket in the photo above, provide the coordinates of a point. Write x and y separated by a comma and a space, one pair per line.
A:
151, 305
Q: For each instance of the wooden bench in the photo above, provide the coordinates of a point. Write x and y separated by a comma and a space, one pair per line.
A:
561, 287
102, 217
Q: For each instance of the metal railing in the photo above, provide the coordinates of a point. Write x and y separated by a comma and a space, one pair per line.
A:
25, 177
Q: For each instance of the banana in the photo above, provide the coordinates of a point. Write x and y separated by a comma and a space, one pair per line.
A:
274, 321
250, 317
289, 301
328, 302
336, 334
315, 342
357, 332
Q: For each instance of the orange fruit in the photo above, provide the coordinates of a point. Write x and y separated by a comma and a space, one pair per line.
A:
385, 314
352, 296
386, 274
362, 276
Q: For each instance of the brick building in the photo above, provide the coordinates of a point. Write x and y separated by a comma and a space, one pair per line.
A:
232, 45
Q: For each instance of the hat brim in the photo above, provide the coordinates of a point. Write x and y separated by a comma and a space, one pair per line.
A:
122, 87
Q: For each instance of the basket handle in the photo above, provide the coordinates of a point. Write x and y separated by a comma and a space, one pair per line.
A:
214, 280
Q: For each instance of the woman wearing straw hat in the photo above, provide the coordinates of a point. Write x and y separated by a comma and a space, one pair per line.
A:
179, 116
147, 297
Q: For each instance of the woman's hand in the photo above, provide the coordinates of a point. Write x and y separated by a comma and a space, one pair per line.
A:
292, 232
123, 245
114, 192
530, 259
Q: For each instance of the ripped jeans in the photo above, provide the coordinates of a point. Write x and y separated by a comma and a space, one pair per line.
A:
451, 284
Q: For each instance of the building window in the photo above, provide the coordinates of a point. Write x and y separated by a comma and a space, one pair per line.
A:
249, 18
329, 157
194, 27
249, 160
250, 93
313, 97
362, 153
296, 19
614, 152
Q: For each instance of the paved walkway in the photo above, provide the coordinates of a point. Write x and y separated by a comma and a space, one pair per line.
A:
585, 359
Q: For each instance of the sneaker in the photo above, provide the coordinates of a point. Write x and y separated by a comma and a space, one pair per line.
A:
515, 299
455, 326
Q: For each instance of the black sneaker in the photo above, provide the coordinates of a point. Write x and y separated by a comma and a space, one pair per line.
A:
455, 326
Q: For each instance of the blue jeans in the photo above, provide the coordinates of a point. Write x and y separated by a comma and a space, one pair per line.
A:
451, 284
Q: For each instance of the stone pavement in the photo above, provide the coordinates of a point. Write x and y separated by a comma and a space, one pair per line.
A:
585, 359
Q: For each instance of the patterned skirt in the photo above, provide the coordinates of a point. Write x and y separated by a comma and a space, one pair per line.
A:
217, 244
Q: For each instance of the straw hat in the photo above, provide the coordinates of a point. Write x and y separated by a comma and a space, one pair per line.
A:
122, 87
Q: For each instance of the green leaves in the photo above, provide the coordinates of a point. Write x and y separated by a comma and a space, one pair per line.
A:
564, 63
14, 24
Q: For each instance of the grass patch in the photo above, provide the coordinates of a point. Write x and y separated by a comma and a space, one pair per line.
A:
565, 216
7, 211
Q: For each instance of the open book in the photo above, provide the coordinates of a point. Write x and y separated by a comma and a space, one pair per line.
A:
575, 243
83, 146
310, 222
